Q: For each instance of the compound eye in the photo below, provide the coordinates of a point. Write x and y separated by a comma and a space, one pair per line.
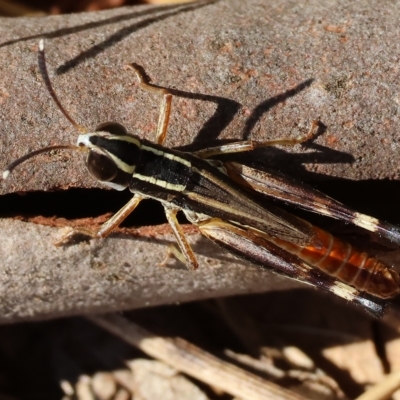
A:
101, 167
112, 127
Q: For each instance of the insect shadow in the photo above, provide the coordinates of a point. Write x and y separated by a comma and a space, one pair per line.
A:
149, 16
203, 247
267, 158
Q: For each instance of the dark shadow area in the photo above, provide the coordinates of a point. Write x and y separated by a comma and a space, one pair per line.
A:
170, 10
80, 203
379, 198
45, 351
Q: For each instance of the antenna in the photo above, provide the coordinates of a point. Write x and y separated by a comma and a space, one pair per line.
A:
34, 153
46, 79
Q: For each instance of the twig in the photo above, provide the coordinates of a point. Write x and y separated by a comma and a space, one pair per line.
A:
193, 361
383, 390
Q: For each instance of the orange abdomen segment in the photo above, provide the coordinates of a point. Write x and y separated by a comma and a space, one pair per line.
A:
339, 259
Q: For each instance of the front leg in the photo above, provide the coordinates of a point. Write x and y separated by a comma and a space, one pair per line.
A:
75, 233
